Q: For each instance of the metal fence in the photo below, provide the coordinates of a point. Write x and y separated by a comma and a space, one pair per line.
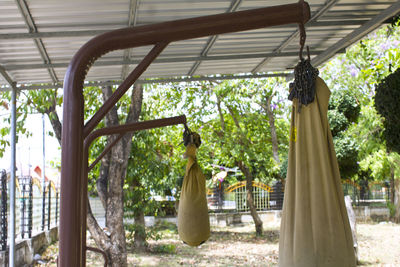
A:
367, 193
31, 216
234, 198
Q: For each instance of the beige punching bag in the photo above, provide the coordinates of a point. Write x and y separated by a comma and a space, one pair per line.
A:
193, 220
315, 229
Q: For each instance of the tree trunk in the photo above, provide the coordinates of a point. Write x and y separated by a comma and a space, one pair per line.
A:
274, 137
115, 207
221, 115
250, 201
396, 200
139, 242
249, 178
392, 186
55, 123
110, 185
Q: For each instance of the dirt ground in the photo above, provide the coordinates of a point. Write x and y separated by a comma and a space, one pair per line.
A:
379, 245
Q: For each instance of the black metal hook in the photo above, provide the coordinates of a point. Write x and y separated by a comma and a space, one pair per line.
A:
302, 31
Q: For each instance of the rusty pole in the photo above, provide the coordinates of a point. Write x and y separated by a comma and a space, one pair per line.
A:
74, 132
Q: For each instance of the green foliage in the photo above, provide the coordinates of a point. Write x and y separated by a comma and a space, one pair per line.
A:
378, 163
345, 103
150, 233
387, 101
392, 208
155, 164
229, 118
346, 152
356, 73
342, 111
165, 248
337, 121
283, 168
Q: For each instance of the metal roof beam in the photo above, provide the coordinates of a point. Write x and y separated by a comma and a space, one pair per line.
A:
357, 34
133, 9
211, 41
24, 9
5, 36
90, 33
294, 35
160, 60
7, 78
161, 80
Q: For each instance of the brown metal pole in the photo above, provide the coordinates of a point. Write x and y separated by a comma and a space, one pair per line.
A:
71, 239
125, 85
70, 247
136, 126
105, 151
121, 130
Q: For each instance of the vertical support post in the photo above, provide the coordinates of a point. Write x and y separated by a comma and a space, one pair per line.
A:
70, 244
30, 206
43, 177
23, 207
56, 214
3, 211
49, 208
12, 175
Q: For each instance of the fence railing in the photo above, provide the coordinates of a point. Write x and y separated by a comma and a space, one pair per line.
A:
31, 216
234, 198
367, 193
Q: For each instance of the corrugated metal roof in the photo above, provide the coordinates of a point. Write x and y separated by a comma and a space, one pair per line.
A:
39, 37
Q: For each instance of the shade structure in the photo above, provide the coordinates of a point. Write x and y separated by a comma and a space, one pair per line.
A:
193, 220
39, 38
315, 229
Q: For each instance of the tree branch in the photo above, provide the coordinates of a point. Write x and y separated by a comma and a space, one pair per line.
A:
55, 123
235, 120
271, 120
111, 118
102, 181
221, 115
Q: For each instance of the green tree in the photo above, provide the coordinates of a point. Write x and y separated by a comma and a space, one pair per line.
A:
112, 174
109, 176
387, 101
360, 69
154, 168
343, 110
232, 118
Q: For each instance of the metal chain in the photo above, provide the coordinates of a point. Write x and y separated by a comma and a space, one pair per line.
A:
190, 137
303, 87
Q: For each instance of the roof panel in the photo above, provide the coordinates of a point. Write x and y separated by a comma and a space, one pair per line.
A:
10, 18
64, 26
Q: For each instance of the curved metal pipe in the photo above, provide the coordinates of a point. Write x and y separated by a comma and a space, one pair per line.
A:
73, 192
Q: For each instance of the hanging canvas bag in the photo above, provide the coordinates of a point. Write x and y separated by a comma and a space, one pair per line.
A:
193, 219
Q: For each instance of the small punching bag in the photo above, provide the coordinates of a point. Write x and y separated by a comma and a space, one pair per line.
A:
193, 220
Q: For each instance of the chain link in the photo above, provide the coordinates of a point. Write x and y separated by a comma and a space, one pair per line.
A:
303, 87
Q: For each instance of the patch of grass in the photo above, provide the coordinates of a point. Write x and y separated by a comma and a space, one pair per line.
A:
238, 246
165, 225
164, 248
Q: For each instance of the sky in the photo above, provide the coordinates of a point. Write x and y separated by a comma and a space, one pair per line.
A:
30, 149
